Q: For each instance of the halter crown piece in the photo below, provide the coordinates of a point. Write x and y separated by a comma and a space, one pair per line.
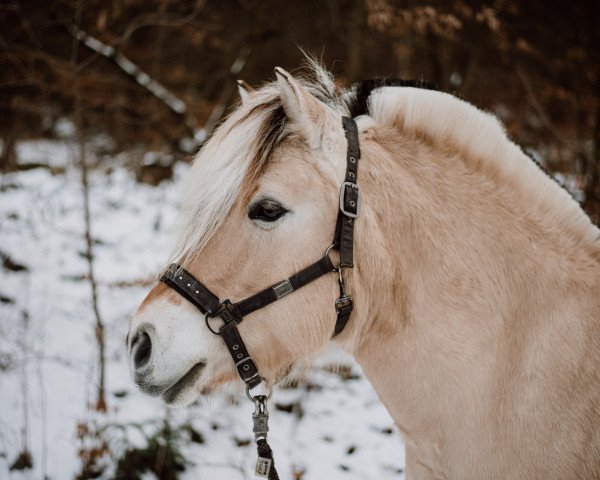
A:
232, 314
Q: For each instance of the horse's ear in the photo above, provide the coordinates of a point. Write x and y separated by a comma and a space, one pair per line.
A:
246, 91
307, 114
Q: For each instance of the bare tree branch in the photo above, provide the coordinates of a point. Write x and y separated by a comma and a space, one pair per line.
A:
227, 92
172, 101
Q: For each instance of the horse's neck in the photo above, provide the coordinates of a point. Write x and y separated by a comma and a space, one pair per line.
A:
455, 275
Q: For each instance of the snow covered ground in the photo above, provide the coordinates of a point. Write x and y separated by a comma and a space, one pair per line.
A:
330, 427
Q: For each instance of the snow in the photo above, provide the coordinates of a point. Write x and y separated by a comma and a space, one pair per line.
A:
337, 430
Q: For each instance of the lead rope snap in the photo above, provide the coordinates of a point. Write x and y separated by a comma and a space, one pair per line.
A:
265, 465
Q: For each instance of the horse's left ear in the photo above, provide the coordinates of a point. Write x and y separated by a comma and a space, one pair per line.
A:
307, 114
246, 91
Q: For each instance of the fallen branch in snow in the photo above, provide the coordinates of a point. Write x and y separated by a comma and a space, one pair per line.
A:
24, 460
43, 410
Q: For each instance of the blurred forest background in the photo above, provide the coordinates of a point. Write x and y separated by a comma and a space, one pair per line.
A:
103, 104
159, 74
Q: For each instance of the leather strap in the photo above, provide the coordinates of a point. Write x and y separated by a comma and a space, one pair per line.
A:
280, 289
184, 283
244, 363
353, 149
349, 209
349, 197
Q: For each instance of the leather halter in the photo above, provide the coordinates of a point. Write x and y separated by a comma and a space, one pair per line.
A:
232, 314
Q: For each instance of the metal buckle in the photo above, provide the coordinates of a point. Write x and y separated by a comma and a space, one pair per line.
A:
343, 199
244, 360
245, 370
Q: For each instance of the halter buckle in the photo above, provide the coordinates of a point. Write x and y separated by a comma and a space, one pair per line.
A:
353, 204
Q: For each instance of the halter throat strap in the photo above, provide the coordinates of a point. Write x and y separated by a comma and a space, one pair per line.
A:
189, 287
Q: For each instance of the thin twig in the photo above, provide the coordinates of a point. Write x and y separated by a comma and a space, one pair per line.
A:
44, 409
540, 110
25, 390
89, 253
168, 20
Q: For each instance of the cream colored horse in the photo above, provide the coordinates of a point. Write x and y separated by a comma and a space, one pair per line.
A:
476, 286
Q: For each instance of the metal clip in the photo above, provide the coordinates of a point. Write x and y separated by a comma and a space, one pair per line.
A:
341, 281
344, 301
260, 417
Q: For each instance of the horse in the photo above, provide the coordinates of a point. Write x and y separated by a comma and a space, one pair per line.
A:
476, 287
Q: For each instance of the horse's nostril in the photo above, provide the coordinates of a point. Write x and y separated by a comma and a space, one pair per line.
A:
141, 349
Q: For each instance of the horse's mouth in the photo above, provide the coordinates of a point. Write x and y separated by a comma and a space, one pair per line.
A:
170, 395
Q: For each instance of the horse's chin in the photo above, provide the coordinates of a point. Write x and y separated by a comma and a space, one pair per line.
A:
182, 399
187, 389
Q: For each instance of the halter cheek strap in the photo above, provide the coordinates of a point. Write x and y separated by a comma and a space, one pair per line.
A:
349, 209
349, 198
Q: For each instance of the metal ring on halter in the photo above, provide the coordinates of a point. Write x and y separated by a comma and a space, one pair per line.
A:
326, 254
206, 317
267, 386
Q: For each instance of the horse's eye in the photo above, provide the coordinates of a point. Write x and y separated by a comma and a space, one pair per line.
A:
266, 211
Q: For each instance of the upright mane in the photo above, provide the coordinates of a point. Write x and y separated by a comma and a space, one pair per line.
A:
240, 148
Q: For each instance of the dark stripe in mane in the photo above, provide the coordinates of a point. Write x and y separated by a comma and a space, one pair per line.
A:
359, 104
270, 133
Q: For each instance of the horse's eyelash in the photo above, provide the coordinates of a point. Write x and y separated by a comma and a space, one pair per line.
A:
260, 201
